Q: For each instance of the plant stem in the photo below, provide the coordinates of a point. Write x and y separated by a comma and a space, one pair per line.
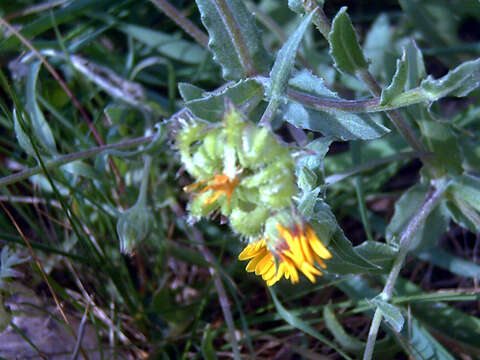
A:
431, 201
64, 159
236, 35
222, 294
324, 26
179, 19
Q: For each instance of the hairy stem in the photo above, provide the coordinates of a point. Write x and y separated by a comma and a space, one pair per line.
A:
64, 159
431, 201
324, 26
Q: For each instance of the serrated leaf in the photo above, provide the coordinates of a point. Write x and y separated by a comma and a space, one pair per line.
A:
211, 106
190, 92
8, 259
344, 47
393, 316
467, 188
347, 341
458, 82
398, 81
305, 81
405, 208
40, 127
285, 60
221, 44
340, 125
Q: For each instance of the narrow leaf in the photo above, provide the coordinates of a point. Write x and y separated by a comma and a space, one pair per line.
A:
347, 341
398, 81
285, 60
22, 137
41, 129
344, 47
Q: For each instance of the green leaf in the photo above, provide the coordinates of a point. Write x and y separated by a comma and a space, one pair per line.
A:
190, 92
285, 60
337, 124
405, 208
378, 48
450, 262
380, 254
467, 188
448, 322
221, 44
208, 351
306, 204
298, 323
347, 341
415, 338
340, 125
442, 142
9, 259
398, 81
22, 137
5, 316
458, 82
306, 178
40, 127
211, 106
344, 47
166, 44
315, 152
346, 259
391, 313
416, 66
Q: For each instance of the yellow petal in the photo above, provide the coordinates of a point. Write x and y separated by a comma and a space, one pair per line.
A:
264, 264
307, 251
253, 263
318, 247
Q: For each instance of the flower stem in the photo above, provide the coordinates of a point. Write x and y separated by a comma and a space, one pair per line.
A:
64, 159
431, 201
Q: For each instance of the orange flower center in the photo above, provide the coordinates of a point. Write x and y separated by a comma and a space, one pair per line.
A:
220, 185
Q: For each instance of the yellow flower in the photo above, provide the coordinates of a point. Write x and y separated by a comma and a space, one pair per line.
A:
219, 184
296, 248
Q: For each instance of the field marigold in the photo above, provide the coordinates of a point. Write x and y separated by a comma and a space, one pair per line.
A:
297, 248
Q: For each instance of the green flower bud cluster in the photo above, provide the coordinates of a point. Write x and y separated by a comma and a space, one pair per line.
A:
240, 171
